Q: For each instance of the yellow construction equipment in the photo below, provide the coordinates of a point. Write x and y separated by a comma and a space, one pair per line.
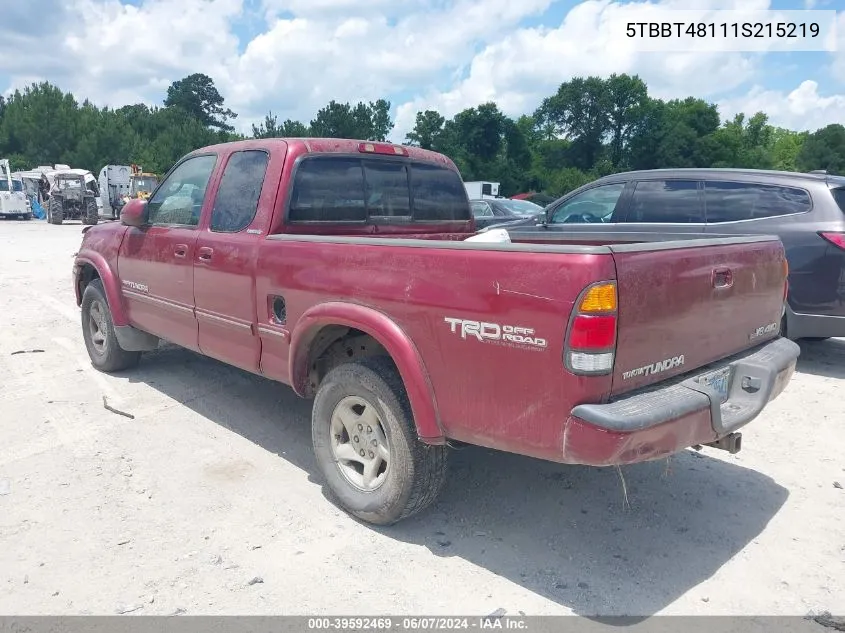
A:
141, 183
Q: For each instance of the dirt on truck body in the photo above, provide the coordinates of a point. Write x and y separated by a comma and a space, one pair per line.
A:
343, 269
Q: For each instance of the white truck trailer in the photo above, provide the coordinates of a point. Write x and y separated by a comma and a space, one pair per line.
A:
115, 184
482, 189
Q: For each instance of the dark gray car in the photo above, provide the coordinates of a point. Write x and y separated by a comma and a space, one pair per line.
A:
807, 212
488, 211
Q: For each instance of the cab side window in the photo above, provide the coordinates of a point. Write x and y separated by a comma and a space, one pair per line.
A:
239, 190
671, 201
589, 207
179, 199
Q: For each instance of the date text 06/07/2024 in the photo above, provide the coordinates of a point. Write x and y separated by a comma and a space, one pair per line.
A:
417, 623
768, 30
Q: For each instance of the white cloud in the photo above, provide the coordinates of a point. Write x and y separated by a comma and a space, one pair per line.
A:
801, 109
521, 69
447, 54
838, 66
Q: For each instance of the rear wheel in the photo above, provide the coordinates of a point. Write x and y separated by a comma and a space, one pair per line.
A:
89, 212
55, 211
366, 444
105, 352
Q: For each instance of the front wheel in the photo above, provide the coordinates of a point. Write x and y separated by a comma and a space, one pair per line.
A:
366, 444
105, 352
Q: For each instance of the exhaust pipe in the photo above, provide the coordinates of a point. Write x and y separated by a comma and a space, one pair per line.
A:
731, 443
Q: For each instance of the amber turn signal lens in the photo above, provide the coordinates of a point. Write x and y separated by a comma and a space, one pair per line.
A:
601, 298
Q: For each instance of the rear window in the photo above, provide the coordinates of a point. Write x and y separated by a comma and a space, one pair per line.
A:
438, 194
351, 189
733, 201
839, 196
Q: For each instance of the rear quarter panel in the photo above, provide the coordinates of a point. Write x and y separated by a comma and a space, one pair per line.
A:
509, 397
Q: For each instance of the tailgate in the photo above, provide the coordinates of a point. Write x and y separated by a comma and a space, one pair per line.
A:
683, 305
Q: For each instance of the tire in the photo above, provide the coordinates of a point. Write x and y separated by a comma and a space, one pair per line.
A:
27, 216
105, 352
89, 212
412, 474
55, 212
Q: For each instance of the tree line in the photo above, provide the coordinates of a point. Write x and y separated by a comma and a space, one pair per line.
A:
590, 127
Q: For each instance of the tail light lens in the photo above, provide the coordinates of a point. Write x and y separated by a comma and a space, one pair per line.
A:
590, 347
837, 239
786, 279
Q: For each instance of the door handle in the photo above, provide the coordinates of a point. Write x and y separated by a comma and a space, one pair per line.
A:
181, 250
206, 253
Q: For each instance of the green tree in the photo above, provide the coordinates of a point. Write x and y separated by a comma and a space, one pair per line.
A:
517, 150
824, 149
627, 107
197, 95
295, 129
648, 135
382, 124
39, 124
580, 112
365, 121
428, 128
270, 128
786, 145
481, 130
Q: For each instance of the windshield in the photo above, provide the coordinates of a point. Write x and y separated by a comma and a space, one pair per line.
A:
17, 185
143, 184
521, 207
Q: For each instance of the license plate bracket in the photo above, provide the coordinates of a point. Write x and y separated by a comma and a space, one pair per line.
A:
719, 381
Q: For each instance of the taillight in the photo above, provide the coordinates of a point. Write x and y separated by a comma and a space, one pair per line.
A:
591, 339
837, 239
785, 278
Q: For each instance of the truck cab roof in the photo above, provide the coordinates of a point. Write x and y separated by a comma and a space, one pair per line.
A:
301, 146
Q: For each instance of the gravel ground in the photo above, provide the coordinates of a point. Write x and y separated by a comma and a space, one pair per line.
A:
209, 501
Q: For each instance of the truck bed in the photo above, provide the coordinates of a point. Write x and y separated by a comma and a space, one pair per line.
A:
671, 319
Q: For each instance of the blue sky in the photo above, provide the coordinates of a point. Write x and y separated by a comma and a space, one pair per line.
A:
292, 56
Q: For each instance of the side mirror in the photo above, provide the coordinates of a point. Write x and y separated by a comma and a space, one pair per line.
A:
134, 213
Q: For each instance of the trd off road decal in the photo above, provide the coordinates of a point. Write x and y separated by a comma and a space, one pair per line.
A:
510, 335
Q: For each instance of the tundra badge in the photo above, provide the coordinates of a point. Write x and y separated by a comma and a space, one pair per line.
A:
134, 285
654, 368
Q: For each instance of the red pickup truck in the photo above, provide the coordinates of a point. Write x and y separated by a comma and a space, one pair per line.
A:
343, 269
